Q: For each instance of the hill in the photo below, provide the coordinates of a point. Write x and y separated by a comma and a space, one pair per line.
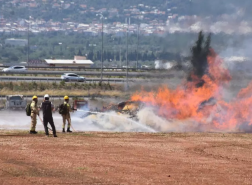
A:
116, 10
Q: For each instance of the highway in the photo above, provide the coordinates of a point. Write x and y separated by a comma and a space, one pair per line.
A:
55, 79
156, 74
58, 79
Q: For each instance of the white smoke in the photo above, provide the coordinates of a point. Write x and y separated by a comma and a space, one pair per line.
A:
110, 121
148, 121
238, 56
148, 117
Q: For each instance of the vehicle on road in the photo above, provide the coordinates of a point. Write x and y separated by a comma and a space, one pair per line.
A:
14, 68
72, 77
15, 102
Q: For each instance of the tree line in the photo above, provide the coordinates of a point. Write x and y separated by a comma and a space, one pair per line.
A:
46, 46
121, 56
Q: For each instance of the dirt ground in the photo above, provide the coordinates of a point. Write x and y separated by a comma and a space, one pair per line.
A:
125, 158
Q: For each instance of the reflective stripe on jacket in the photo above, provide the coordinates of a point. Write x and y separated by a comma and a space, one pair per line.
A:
34, 108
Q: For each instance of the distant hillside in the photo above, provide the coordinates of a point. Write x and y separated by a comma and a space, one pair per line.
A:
140, 10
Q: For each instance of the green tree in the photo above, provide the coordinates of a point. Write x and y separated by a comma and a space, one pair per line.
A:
90, 55
200, 52
98, 55
117, 56
79, 53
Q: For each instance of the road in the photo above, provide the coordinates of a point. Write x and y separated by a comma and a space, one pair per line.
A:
31, 78
91, 73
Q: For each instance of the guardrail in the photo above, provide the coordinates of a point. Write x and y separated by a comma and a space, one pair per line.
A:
84, 68
131, 74
58, 79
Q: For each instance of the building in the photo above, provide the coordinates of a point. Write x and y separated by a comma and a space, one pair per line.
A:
80, 58
16, 42
78, 61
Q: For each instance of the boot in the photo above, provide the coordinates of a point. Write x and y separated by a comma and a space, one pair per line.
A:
33, 132
55, 135
63, 130
68, 130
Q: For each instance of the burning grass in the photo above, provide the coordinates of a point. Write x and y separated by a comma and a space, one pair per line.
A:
200, 102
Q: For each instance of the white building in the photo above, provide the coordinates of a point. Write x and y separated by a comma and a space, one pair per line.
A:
78, 61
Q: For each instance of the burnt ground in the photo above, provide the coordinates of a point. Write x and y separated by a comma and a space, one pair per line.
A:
125, 158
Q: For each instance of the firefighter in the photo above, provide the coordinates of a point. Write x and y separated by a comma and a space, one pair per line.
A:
34, 113
47, 108
66, 115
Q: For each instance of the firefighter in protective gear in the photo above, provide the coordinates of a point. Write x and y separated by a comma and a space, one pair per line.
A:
34, 113
66, 117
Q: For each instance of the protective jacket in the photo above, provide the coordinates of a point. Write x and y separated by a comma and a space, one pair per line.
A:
68, 108
34, 108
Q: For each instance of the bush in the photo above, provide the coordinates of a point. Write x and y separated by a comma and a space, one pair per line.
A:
42, 87
35, 85
54, 85
10, 85
94, 85
62, 83
200, 52
110, 87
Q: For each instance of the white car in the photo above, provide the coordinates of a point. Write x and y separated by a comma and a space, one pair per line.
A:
72, 77
14, 68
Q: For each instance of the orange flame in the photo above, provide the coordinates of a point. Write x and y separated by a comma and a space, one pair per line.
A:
190, 102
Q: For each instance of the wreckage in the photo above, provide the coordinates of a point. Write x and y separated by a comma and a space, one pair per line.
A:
126, 108
129, 108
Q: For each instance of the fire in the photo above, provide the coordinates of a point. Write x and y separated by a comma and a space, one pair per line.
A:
204, 103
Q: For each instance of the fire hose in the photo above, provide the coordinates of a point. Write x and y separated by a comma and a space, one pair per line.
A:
72, 127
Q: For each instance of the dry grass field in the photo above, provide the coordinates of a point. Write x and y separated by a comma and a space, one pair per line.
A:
125, 158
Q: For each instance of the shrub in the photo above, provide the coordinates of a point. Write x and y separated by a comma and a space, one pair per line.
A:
62, 83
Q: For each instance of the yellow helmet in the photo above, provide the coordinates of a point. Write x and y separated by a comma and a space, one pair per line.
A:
34, 97
66, 98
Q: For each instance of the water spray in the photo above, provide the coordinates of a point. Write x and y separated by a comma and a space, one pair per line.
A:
127, 119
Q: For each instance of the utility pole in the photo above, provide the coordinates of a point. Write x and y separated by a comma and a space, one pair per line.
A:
191, 22
137, 45
28, 39
120, 57
127, 52
102, 53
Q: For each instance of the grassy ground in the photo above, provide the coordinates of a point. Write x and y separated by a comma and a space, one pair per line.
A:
61, 89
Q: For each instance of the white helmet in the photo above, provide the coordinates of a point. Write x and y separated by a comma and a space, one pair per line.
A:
46, 96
